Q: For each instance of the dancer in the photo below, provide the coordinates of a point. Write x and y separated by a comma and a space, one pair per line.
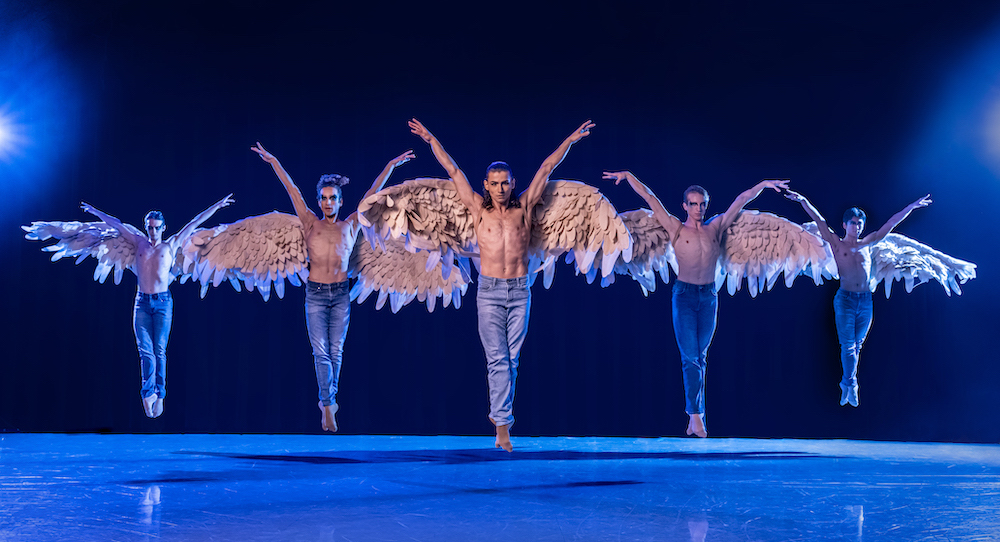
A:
853, 303
697, 244
329, 243
153, 310
502, 223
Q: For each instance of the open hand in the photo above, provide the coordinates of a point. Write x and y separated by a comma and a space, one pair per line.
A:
402, 158
419, 130
794, 196
264, 155
922, 202
779, 185
581, 132
228, 200
616, 176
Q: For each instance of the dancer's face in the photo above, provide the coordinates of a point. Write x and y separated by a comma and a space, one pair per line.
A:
499, 185
154, 229
696, 205
854, 227
329, 201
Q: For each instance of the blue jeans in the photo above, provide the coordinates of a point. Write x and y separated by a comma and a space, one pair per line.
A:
695, 311
328, 312
151, 318
504, 306
853, 314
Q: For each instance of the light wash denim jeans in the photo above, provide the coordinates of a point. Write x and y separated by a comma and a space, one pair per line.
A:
853, 314
504, 306
151, 318
695, 312
328, 312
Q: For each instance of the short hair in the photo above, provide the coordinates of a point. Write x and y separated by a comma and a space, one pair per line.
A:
332, 179
855, 212
513, 201
697, 190
155, 215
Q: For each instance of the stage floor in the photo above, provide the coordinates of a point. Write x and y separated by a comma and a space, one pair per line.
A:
331, 487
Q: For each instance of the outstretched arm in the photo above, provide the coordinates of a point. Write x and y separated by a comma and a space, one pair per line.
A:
107, 219
895, 220
469, 197
301, 209
534, 192
667, 220
746, 197
824, 228
380, 181
182, 236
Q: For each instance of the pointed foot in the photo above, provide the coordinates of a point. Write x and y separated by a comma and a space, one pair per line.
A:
696, 426
147, 405
158, 408
503, 438
329, 416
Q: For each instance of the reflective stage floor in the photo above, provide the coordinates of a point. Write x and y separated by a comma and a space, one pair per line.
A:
330, 487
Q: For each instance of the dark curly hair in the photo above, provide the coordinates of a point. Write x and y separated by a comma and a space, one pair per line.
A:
332, 179
513, 202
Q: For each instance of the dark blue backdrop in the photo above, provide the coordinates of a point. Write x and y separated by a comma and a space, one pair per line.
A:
132, 106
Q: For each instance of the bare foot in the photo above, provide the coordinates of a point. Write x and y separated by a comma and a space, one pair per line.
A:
147, 405
696, 426
157, 408
329, 419
503, 438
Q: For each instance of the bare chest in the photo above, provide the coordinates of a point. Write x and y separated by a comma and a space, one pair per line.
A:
496, 230
329, 240
695, 245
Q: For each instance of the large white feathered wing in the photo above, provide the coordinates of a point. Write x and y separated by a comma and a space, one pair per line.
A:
760, 246
424, 214
261, 251
652, 251
400, 275
113, 251
898, 257
575, 218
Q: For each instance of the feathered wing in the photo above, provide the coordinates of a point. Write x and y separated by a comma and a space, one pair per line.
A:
652, 251
424, 214
113, 251
575, 218
898, 257
400, 275
760, 246
260, 251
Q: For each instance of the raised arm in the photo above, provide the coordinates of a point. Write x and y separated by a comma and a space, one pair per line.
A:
533, 194
667, 220
469, 197
894, 221
382, 178
108, 219
301, 209
182, 236
746, 197
824, 228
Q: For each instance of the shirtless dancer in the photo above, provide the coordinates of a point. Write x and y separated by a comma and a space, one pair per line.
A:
154, 307
329, 243
852, 305
698, 245
503, 228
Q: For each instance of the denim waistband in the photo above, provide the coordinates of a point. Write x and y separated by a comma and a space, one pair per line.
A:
688, 285
516, 281
856, 295
324, 286
159, 296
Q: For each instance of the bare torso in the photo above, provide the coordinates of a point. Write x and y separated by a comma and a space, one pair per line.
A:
329, 244
503, 236
854, 264
152, 266
697, 247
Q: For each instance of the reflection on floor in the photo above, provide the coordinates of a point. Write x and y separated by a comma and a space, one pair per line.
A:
329, 487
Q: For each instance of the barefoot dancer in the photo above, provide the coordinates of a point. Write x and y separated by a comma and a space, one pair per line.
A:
853, 303
153, 310
503, 229
697, 244
329, 243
